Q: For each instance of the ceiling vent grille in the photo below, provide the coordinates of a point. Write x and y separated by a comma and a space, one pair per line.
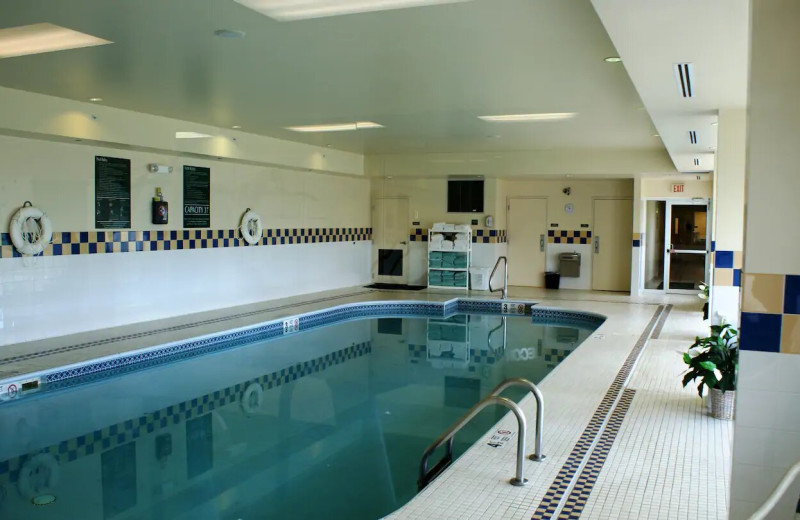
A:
693, 136
684, 75
696, 161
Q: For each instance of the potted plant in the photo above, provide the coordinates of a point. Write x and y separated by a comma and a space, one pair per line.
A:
715, 360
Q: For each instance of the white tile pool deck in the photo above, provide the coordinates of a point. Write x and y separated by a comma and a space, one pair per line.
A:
668, 460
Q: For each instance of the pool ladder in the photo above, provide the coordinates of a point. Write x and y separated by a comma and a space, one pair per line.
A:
493, 398
505, 276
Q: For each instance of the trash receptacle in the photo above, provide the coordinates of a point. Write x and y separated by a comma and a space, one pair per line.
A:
551, 280
479, 278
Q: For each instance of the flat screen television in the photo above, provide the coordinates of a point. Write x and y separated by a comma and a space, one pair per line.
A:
465, 196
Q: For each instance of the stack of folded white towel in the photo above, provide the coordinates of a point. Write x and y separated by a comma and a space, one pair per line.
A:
436, 241
447, 245
461, 243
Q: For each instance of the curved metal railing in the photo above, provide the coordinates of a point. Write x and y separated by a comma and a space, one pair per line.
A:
493, 398
505, 276
772, 500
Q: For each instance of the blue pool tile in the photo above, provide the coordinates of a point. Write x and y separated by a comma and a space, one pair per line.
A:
713, 245
56, 249
737, 277
760, 332
724, 259
159, 235
92, 249
131, 236
791, 294
109, 247
116, 236
146, 236
75, 249
124, 247
636, 243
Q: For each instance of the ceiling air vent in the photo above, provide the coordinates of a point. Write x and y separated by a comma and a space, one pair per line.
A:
684, 74
693, 136
696, 161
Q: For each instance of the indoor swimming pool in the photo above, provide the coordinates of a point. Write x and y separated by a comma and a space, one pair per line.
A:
326, 423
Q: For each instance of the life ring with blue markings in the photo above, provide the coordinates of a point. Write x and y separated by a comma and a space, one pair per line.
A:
30, 230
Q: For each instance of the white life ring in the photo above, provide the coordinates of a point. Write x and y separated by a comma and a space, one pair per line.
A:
251, 227
251, 399
29, 236
38, 475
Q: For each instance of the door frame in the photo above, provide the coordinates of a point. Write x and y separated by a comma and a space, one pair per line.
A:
376, 278
508, 221
667, 243
594, 234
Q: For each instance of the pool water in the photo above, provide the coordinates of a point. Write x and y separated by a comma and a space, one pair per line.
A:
329, 423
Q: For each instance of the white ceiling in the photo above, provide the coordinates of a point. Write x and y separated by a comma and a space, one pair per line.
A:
424, 73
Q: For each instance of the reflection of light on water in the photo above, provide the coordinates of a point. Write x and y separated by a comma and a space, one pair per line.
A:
43, 500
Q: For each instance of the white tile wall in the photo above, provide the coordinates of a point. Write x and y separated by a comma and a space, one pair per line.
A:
52, 296
767, 431
726, 304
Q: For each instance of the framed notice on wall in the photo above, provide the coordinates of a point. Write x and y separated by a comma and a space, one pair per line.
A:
196, 197
112, 193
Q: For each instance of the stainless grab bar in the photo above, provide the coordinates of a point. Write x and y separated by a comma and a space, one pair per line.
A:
784, 485
505, 276
447, 437
537, 394
426, 476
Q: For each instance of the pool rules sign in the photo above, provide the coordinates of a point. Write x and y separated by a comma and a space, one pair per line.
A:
196, 197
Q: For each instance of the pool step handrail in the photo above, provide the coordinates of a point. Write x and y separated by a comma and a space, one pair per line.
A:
783, 486
505, 276
493, 398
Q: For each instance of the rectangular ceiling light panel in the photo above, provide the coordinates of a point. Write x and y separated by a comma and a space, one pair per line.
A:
190, 135
684, 75
521, 118
43, 37
288, 10
339, 127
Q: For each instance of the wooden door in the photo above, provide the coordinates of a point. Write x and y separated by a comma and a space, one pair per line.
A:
612, 244
527, 236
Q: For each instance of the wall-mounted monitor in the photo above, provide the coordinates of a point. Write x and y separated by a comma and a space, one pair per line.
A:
465, 196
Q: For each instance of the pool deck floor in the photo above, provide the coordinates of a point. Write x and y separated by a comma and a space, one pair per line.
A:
622, 439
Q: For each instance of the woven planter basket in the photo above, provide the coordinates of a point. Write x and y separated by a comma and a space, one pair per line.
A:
722, 404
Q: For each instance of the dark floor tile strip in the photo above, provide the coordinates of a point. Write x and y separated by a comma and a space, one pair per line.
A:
577, 499
552, 497
106, 341
662, 321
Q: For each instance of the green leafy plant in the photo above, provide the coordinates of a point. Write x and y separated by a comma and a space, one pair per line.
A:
714, 359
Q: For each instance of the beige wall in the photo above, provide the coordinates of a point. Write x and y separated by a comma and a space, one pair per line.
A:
581, 195
59, 178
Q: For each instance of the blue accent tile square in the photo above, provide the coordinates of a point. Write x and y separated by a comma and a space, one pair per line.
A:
551, 232
570, 240
215, 243
75, 249
636, 243
131, 236
124, 247
139, 245
724, 259
713, 245
5, 239
57, 249
588, 234
583, 241
492, 232
109, 247
101, 236
737, 277
283, 240
791, 294
146, 236
226, 242
116, 236
168, 246
92, 249
159, 235
760, 332
563, 233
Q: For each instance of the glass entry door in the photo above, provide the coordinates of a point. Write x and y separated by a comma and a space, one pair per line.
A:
686, 233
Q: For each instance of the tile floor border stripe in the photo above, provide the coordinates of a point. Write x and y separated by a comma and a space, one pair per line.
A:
577, 499
662, 321
554, 497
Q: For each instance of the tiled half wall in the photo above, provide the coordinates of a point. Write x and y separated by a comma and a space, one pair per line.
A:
101, 242
770, 313
727, 268
479, 235
567, 236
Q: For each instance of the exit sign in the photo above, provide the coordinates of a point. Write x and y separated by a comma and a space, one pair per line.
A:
677, 188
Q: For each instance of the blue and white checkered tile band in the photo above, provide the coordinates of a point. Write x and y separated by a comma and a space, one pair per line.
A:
107, 242
131, 429
476, 357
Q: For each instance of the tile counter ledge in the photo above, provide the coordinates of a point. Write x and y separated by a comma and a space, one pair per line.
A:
585, 401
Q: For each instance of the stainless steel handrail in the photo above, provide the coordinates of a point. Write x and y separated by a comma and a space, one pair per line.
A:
447, 437
505, 334
537, 394
492, 398
505, 276
784, 485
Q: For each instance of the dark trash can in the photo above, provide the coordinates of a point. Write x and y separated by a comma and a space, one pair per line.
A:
551, 280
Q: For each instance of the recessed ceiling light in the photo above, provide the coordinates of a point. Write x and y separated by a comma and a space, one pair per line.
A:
656, 135
232, 34
43, 37
612, 59
339, 127
287, 10
236, 127
520, 118
328, 146
95, 99
714, 123
190, 135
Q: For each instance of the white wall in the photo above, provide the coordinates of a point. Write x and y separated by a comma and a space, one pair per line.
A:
55, 295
